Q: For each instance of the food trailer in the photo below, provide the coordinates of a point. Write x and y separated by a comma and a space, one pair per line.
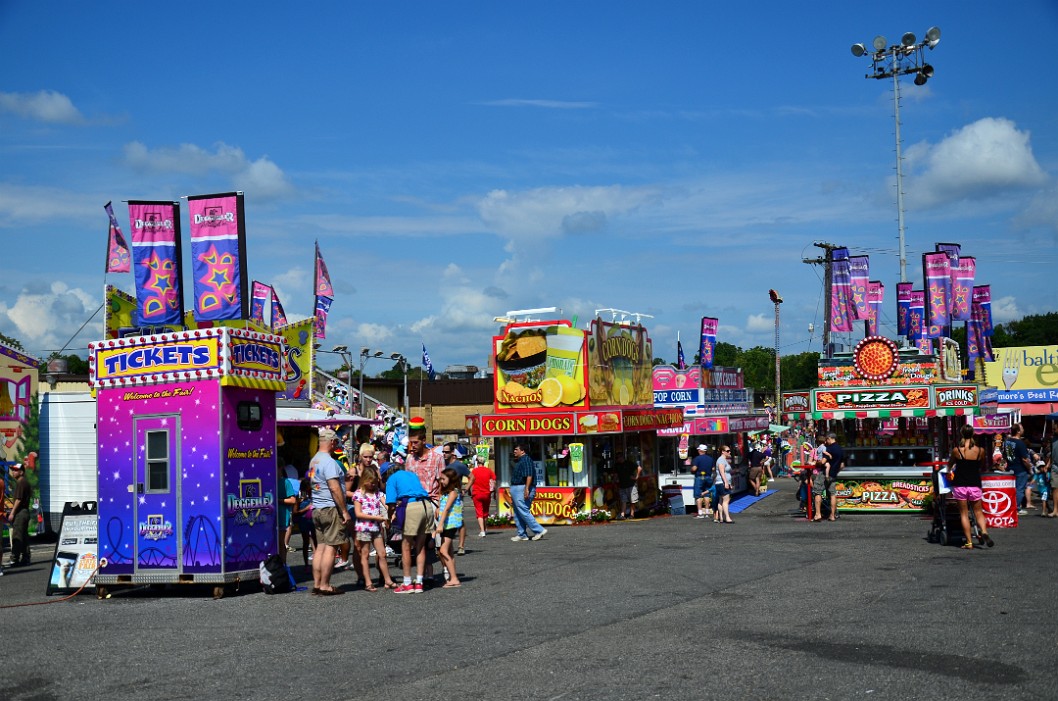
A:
894, 411
187, 478
580, 399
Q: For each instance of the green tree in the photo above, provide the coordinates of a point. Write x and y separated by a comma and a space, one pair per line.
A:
726, 355
12, 342
758, 367
800, 371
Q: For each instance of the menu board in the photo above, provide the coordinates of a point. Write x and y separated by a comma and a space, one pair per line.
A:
76, 553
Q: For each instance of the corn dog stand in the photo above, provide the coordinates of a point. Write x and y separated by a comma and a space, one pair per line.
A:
894, 412
579, 399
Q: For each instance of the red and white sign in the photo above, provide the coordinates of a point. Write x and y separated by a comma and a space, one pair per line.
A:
999, 501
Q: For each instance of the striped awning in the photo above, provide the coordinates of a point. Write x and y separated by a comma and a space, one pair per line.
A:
896, 413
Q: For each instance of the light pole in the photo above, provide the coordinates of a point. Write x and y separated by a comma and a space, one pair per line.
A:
404, 370
894, 61
365, 354
347, 358
777, 300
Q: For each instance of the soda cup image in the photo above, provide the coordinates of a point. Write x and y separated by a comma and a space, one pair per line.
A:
576, 456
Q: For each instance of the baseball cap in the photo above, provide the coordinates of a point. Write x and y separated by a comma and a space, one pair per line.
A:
703, 446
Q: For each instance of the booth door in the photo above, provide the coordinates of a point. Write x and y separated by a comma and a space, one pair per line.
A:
157, 494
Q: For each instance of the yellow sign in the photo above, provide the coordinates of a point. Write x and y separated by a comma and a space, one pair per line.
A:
1023, 368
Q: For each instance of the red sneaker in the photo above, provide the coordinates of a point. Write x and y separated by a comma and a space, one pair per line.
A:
417, 588
404, 589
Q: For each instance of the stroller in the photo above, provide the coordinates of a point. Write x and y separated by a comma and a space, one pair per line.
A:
945, 527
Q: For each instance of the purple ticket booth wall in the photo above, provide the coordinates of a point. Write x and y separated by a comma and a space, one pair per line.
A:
186, 426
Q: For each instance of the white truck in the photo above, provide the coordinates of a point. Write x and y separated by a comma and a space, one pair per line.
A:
67, 453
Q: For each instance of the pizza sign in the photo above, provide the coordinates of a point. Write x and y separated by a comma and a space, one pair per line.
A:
876, 358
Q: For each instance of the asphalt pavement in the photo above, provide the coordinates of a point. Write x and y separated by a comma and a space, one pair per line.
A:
770, 607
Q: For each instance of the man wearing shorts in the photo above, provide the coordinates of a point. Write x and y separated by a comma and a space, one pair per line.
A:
404, 487
329, 515
702, 468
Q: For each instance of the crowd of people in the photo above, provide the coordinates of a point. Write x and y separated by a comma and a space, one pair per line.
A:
406, 494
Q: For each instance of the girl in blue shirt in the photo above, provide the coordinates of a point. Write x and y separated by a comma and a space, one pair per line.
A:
449, 521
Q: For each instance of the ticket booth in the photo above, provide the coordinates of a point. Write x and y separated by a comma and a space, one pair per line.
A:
187, 477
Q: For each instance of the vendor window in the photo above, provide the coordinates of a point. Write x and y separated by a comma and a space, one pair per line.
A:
157, 461
248, 416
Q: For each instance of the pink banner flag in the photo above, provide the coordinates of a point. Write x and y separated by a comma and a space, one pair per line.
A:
707, 346
859, 278
279, 317
323, 278
936, 274
903, 308
962, 288
916, 315
218, 255
156, 256
840, 291
259, 295
323, 308
118, 258
875, 297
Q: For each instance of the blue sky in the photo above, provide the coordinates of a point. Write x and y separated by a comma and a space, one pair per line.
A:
459, 160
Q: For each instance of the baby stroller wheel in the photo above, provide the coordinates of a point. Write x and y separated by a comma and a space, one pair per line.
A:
943, 538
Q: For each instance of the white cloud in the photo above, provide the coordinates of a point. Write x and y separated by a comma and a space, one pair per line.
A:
33, 204
982, 159
261, 178
759, 323
43, 319
44, 106
373, 336
1005, 309
534, 215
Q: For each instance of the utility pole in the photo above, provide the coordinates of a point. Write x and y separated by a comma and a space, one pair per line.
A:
827, 261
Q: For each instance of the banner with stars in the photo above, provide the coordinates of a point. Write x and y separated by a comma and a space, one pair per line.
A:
218, 254
155, 228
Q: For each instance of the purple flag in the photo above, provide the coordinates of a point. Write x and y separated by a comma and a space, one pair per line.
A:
954, 252
156, 258
903, 308
279, 317
962, 288
982, 301
840, 291
323, 307
707, 346
681, 362
323, 278
218, 254
875, 297
859, 278
258, 296
936, 274
925, 345
118, 258
916, 316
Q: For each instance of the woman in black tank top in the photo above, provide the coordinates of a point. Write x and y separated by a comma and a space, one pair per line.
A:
968, 460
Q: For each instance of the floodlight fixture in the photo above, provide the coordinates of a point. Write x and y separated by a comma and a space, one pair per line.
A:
905, 58
340, 349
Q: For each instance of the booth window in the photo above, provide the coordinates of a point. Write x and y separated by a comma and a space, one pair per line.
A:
248, 415
157, 461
